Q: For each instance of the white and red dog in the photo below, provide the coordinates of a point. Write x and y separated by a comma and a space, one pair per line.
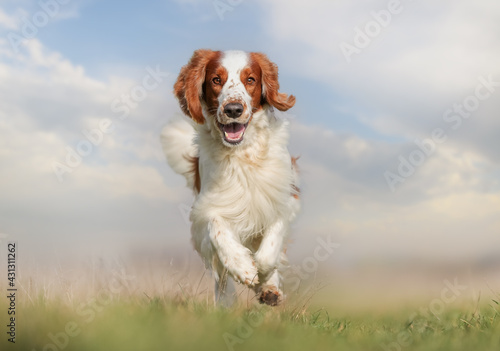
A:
235, 158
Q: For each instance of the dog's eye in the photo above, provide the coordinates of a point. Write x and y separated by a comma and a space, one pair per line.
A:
216, 80
250, 80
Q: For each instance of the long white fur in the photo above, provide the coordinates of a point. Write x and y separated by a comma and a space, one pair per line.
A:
177, 140
246, 192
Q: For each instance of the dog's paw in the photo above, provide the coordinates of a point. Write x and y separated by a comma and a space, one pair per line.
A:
243, 269
271, 296
250, 279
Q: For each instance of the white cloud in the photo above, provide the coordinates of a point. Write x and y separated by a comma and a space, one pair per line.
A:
428, 59
445, 42
124, 193
446, 209
123, 183
6, 21
429, 56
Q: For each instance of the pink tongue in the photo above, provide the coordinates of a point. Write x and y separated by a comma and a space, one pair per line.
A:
234, 130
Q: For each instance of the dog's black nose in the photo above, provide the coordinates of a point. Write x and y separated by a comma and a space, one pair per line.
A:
233, 109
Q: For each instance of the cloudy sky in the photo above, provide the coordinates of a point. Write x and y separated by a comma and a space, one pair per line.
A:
86, 87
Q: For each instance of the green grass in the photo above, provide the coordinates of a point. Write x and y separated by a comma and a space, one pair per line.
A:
144, 323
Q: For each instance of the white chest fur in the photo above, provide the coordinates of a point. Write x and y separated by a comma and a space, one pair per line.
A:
249, 186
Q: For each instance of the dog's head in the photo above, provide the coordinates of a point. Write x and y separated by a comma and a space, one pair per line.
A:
227, 88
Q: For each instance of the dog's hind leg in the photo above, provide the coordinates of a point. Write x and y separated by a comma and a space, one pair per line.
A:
225, 293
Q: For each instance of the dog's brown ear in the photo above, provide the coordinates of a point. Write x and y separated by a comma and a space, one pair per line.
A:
270, 85
189, 85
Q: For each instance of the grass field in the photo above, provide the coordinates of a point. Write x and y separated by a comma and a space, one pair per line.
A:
112, 320
157, 324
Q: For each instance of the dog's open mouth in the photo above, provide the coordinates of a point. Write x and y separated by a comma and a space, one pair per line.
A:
233, 132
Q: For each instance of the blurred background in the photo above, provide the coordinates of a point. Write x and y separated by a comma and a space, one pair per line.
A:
396, 124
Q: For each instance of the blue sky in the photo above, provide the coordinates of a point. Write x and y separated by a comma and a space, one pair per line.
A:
109, 37
356, 117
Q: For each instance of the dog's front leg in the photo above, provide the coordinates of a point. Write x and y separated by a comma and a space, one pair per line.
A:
271, 246
268, 257
235, 257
